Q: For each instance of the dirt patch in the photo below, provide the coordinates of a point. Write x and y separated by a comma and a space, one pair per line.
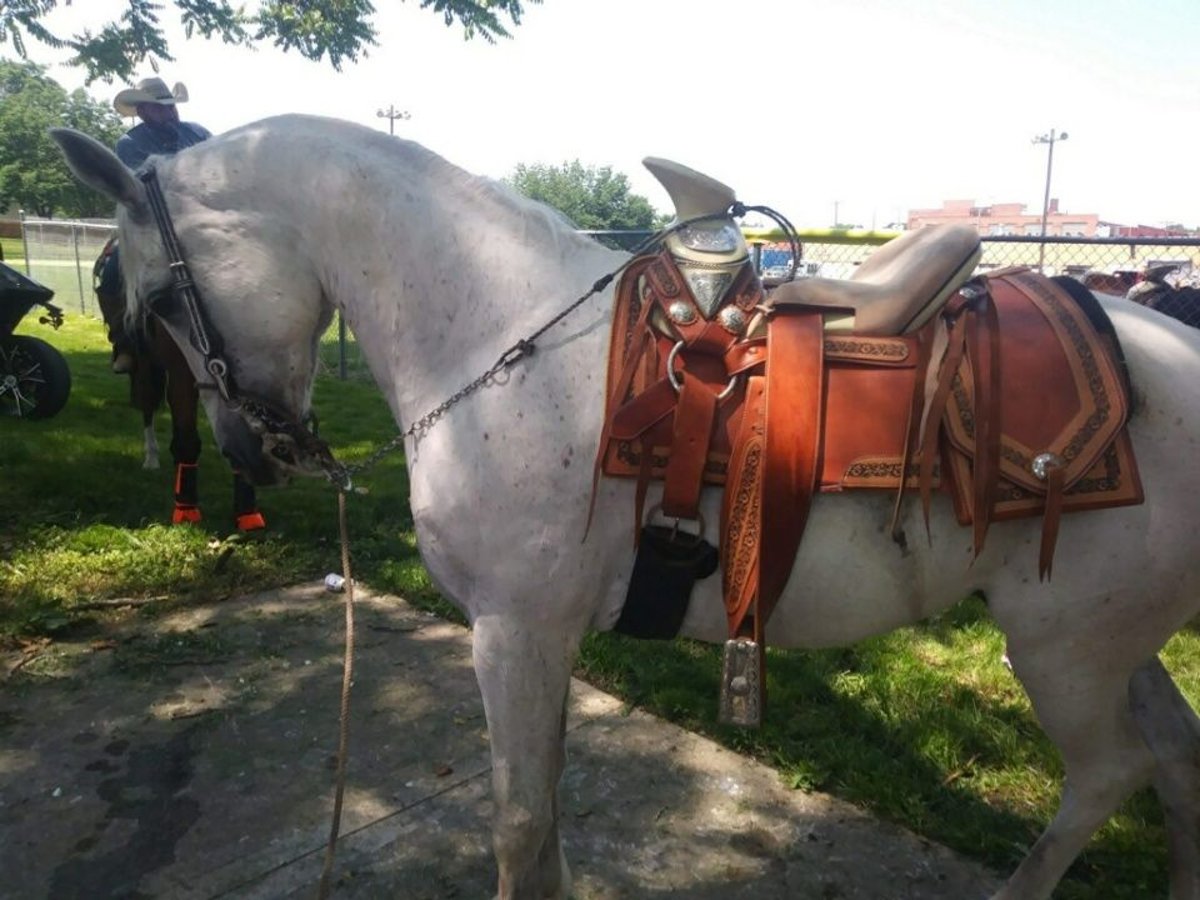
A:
190, 756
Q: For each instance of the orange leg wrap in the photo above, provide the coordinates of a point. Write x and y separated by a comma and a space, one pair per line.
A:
185, 514
251, 521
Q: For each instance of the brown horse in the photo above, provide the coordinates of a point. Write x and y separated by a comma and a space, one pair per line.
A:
159, 372
1115, 283
1177, 298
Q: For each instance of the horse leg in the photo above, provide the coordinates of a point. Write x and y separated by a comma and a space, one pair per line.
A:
1172, 732
147, 390
246, 514
183, 399
524, 674
111, 297
1084, 709
149, 442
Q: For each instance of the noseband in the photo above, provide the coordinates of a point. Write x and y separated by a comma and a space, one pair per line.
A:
265, 418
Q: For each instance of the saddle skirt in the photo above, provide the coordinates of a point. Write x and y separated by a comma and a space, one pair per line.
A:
1063, 401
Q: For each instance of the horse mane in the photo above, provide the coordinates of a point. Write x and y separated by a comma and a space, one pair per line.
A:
388, 161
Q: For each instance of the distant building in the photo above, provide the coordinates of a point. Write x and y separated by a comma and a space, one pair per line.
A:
1011, 218
1006, 218
1149, 231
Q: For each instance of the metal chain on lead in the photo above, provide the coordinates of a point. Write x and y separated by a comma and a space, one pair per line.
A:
515, 353
526, 346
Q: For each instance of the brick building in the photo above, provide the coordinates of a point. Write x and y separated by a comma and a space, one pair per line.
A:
1008, 218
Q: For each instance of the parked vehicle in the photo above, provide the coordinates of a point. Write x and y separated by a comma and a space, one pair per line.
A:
34, 379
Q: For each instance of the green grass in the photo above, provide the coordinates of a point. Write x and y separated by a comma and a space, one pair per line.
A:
81, 521
924, 727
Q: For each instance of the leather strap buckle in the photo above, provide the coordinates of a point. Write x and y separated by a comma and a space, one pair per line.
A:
675, 532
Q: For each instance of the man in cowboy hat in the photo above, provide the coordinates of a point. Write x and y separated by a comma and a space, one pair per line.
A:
160, 133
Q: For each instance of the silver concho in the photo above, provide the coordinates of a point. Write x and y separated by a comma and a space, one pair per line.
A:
708, 288
1043, 463
682, 313
732, 319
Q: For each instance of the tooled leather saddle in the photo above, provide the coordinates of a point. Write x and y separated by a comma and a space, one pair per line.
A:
997, 390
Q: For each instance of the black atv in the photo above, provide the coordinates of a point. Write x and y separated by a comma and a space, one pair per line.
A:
34, 379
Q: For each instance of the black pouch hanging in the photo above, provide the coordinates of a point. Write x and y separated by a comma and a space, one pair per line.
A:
668, 564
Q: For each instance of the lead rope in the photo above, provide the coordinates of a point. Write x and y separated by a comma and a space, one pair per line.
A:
344, 715
508, 358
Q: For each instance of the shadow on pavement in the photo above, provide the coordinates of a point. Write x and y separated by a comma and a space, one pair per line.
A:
191, 757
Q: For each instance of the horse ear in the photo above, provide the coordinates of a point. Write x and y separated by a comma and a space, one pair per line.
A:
98, 167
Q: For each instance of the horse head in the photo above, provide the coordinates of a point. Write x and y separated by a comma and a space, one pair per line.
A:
259, 314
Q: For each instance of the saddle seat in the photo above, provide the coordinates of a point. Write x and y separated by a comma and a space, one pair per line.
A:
898, 288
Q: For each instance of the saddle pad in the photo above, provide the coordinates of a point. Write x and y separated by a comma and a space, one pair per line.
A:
1060, 392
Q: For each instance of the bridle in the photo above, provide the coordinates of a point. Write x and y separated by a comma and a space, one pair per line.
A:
263, 417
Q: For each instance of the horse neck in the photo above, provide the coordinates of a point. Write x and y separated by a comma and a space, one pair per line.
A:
455, 272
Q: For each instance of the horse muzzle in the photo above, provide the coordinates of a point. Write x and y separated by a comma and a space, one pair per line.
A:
290, 456
290, 448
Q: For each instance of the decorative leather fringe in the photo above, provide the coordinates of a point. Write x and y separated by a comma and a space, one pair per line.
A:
1050, 520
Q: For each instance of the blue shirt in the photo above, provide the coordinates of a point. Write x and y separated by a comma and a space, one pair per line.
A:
146, 140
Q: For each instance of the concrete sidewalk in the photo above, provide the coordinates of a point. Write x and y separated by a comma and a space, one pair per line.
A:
189, 756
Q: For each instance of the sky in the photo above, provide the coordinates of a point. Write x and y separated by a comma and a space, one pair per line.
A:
861, 109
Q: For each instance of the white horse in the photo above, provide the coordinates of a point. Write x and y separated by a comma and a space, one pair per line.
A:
438, 272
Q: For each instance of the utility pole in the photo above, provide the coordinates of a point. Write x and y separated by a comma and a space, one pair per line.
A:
1049, 140
392, 114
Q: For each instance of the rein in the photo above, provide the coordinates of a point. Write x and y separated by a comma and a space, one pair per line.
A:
184, 288
526, 346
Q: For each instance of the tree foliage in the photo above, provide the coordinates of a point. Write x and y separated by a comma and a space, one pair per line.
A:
594, 198
340, 30
33, 175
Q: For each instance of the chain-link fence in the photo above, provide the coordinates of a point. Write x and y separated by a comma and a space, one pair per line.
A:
1162, 273
60, 254
836, 254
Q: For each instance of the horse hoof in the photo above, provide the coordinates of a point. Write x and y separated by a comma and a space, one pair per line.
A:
149, 463
185, 515
251, 521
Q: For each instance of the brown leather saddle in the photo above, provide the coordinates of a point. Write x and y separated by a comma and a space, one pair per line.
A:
998, 390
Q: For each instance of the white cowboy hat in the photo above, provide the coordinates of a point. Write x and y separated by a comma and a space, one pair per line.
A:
149, 90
